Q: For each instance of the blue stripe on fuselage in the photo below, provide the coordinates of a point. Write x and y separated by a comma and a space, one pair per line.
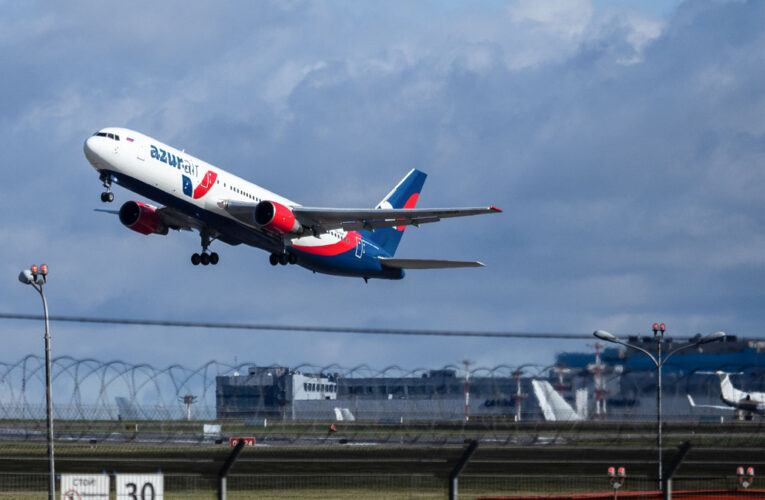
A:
348, 264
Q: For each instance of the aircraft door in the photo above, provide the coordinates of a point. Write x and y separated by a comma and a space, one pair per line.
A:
360, 248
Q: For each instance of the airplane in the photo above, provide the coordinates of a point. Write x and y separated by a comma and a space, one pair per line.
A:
747, 403
221, 206
554, 407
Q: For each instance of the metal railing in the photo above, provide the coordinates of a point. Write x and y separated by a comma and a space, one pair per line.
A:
22, 486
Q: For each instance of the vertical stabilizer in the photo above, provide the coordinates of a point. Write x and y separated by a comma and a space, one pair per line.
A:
729, 393
554, 407
404, 195
127, 409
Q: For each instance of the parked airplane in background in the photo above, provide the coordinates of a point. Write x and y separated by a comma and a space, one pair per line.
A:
221, 206
747, 403
554, 407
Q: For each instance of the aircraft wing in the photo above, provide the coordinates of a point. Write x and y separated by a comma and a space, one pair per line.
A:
427, 264
321, 220
350, 219
176, 220
170, 218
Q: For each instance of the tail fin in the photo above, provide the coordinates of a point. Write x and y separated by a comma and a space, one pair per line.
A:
554, 407
404, 195
729, 392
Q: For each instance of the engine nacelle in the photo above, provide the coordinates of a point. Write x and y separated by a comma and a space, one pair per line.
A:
276, 218
141, 218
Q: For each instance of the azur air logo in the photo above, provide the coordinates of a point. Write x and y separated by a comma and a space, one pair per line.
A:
208, 181
174, 161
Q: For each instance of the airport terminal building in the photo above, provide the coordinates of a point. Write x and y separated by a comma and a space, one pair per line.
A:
617, 384
277, 392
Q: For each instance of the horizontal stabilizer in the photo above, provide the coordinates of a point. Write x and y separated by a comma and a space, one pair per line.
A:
716, 407
427, 263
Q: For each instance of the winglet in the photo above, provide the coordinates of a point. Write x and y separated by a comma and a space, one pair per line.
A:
495, 209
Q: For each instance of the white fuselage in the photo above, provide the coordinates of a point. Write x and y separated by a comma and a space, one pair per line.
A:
165, 168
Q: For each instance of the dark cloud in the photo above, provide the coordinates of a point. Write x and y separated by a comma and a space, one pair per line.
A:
625, 151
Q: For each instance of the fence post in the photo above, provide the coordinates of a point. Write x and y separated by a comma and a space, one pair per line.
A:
454, 474
227, 467
666, 483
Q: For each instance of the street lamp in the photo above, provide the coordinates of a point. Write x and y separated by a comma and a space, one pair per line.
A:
658, 332
37, 277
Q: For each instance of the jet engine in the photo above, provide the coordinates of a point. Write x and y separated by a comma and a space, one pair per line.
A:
141, 218
276, 218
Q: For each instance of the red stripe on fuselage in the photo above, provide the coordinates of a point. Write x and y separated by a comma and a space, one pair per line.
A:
332, 249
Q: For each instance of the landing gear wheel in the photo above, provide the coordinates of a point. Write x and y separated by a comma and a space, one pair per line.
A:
292, 258
283, 259
205, 258
107, 196
273, 259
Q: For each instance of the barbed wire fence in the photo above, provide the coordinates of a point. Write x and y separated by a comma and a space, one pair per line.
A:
94, 400
359, 431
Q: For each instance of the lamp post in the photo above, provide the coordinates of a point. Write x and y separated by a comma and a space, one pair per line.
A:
37, 277
658, 332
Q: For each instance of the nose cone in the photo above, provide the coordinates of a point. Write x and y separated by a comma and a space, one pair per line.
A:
93, 149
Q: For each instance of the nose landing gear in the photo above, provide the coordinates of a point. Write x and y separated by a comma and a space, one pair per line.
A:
205, 258
107, 196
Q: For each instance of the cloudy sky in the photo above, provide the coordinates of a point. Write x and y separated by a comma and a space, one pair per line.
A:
624, 141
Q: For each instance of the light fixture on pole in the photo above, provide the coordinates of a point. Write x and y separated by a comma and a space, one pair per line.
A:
36, 277
658, 331
188, 400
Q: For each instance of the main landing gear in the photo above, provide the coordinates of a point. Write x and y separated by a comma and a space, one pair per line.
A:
205, 257
107, 196
282, 258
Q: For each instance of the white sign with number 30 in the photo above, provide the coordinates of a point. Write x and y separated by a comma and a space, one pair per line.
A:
140, 487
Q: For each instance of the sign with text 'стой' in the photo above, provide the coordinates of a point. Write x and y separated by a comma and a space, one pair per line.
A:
82, 486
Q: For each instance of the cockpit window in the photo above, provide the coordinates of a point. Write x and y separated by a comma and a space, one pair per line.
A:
109, 135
